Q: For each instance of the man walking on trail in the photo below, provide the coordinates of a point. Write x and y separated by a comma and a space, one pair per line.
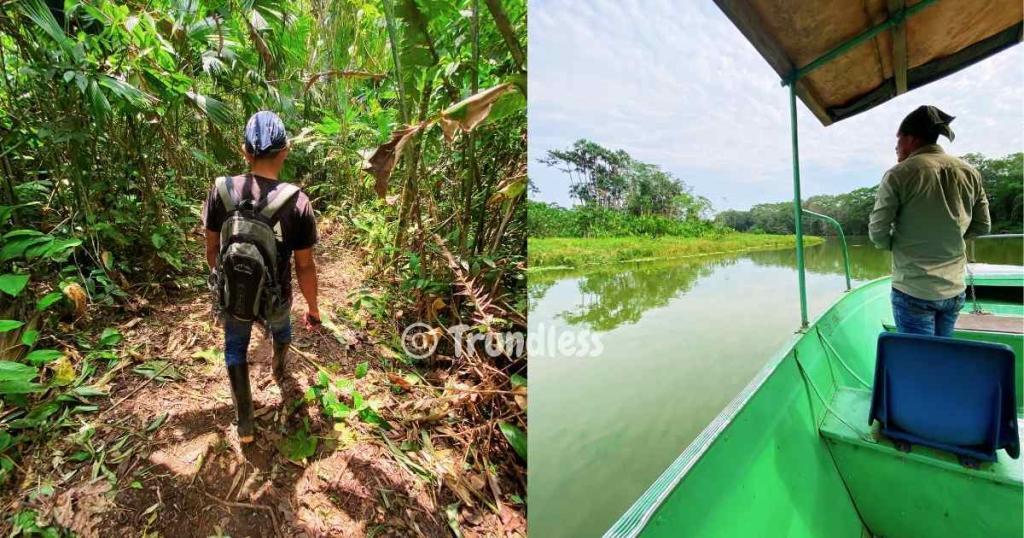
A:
926, 206
236, 211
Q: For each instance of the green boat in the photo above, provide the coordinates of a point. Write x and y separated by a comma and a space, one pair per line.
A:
794, 454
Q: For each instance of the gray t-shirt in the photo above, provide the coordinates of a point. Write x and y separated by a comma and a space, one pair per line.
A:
298, 225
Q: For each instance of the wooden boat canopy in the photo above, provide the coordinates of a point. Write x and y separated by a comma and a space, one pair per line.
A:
850, 56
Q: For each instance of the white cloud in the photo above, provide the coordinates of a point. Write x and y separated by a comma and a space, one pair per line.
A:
679, 86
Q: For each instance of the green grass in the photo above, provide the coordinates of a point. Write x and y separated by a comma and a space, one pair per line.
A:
549, 252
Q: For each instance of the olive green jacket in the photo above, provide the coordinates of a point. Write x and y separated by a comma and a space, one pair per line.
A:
926, 206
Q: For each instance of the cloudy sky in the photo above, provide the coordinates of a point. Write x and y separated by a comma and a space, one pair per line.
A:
680, 87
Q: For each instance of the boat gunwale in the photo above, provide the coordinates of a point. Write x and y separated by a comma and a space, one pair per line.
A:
639, 514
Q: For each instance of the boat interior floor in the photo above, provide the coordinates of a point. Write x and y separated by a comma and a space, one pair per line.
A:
968, 321
924, 492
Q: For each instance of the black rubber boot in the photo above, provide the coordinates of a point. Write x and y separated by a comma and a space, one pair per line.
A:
280, 354
242, 395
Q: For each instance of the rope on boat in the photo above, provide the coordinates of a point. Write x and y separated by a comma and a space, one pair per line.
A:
828, 345
803, 373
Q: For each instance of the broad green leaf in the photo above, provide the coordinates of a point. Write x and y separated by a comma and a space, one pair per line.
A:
156, 423
5, 440
13, 284
9, 325
16, 371
516, 437
20, 247
60, 250
518, 381
132, 95
43, 356
22, 232
211, 355
47, 300
80, 456
357, 401
157, 240
20, 387
86, 391
506, 105
39, 247
298, 446
98, 102
110, 337
369, 416
30, 337
159, 369
361, 369
216, 110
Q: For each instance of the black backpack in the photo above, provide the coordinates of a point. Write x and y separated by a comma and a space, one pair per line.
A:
246, 281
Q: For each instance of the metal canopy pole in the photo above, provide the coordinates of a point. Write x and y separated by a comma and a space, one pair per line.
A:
797, 210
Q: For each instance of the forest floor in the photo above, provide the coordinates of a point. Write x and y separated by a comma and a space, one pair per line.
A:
171, 463
567, 252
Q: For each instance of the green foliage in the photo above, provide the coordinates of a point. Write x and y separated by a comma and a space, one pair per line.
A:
13, 284
549, 220
619, 196
110, 337
25, 523
299, 445
341, 401
612, 179
577, 252
516, 437
1003, 186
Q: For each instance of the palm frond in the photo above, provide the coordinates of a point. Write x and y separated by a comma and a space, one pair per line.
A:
217, 111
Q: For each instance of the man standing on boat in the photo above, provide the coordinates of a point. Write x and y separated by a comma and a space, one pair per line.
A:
926, 206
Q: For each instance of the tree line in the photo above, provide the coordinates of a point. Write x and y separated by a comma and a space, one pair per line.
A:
1004, 185
618, 195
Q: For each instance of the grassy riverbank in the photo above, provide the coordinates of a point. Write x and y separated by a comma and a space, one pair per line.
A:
549, 252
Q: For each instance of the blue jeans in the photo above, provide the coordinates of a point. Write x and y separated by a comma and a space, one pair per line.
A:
918, 316
237, 334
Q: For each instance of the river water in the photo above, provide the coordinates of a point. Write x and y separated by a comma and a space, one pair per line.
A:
677, 340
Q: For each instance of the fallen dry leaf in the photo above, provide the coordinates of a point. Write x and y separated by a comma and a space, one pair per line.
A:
385, 157
81, 508
468, 113
76, 295
399, 380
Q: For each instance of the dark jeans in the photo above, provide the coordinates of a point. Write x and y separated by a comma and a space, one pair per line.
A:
237, 334
918, 316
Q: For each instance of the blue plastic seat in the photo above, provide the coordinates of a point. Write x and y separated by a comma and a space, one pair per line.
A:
954, 395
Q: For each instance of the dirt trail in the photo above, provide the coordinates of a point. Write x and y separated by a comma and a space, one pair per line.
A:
191, 477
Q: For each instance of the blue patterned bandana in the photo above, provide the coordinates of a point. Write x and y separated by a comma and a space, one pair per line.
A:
265, 134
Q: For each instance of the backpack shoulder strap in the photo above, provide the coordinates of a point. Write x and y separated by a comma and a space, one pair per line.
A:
224, 191
287, 192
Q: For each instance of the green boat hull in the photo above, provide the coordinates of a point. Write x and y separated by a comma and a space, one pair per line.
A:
793, 455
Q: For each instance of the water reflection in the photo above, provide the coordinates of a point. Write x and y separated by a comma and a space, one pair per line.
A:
866, 262
621, 293
618, 294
